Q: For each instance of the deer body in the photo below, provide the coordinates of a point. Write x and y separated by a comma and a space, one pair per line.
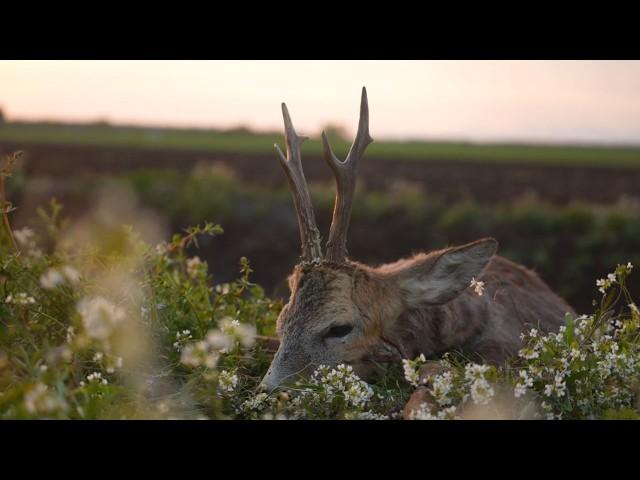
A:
341, 311
484, 327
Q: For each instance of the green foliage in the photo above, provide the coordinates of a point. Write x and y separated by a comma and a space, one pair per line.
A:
92, 333
587, 370
113, 327
141, 331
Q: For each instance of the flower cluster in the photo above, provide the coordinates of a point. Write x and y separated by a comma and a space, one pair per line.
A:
195, 267
328, 393
181, 338
230, 334
423, 412
109, 362
240, 333
100, 317
604, 284
20, 298
40, 400
454, 388
411, 369
478, 286
341, 381
227, 381
27, 241
588, 367
54, 277
96, 377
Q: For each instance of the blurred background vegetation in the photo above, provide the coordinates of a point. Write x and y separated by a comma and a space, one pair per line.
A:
570, 213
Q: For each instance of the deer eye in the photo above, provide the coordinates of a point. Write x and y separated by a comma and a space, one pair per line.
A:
338, 331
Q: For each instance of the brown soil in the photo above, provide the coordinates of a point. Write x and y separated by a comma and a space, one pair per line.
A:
451, 181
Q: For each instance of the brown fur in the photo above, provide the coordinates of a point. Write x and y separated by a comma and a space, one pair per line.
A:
487, 327
391, 321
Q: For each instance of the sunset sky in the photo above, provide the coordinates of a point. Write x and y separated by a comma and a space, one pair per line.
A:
547, 101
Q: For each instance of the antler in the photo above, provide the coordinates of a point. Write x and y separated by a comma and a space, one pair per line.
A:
292, 166
345, 173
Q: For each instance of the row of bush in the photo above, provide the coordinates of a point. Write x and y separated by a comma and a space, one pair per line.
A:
568, 245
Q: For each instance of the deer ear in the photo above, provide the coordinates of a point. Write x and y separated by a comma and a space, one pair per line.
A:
437, 278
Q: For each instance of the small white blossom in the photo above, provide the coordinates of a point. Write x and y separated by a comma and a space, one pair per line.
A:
72, 275
99, 317
96, 377
51, 279
478, 286
481, 392
20, 298
227, 381
194, 265
442, 385
40, 400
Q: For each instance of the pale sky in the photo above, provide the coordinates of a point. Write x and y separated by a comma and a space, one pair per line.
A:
553, 101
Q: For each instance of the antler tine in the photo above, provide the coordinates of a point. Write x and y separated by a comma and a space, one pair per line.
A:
345, 173
292, 166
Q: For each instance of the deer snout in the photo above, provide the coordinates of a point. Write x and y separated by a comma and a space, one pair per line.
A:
268, 382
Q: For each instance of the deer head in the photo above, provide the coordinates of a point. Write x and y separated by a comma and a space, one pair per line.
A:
341, 311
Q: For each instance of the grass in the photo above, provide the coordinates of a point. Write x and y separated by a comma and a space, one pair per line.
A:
244, 141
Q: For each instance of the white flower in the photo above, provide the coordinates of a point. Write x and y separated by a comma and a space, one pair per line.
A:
259, 402
366, 415
51, 279
194, 265
219, 340
26, 239
181, 338
478, 286
199, 354
481, 392
73, 276
96, 377
242, 332
519, 390
227, 381
529, 353
604, 284
411, 369
23, 236
20, 299
442, 387
410, 373
99, 317
40, 400
473, 371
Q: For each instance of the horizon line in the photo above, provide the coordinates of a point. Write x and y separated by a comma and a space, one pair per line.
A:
522, 141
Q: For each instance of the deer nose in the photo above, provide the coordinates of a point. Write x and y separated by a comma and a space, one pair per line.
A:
267, 382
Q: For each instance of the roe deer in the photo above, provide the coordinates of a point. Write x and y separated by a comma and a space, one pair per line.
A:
343, 311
